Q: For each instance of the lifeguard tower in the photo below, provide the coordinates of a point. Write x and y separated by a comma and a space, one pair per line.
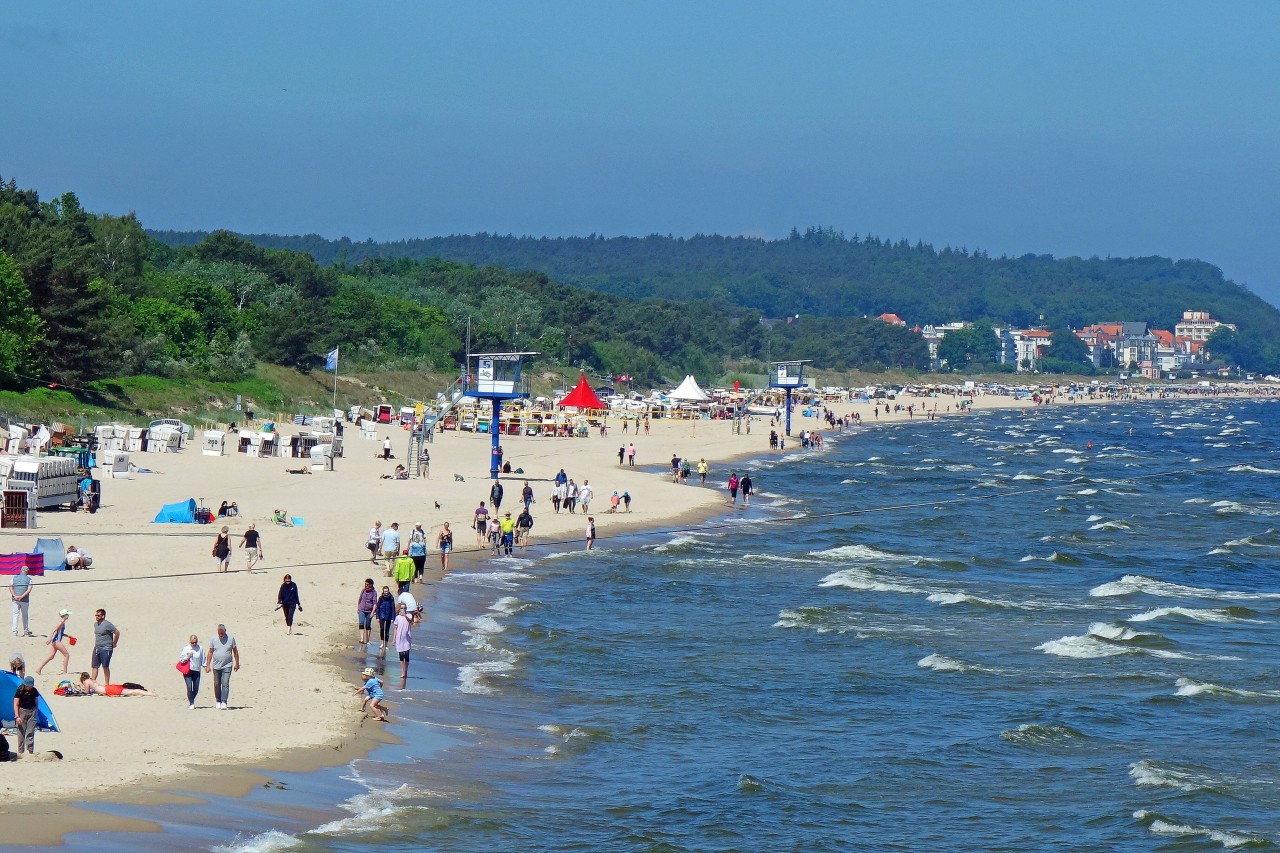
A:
497, 378
788, 375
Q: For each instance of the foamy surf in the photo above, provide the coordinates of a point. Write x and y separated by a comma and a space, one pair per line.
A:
1162, 826
375, 811
1196, 614
499, 580
508, 605
1083, 648
942, 663
1130, 584
272, 841
1118, 633
681, 542
947, 599
1152, 774
473, 677
864, 552
860, 579
1191, 687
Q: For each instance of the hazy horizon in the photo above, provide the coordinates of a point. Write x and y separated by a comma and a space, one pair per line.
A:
1015, 128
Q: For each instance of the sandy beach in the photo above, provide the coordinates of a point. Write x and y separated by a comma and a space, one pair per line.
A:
291, 702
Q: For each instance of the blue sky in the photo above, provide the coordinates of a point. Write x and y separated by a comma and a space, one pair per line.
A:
1067, 128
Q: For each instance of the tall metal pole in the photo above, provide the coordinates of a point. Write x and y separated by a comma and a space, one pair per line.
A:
788, 411
494, 429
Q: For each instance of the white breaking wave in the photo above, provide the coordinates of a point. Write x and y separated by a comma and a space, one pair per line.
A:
1115, 633
1196, 501
942, 663
484, 624
1091, 646
790, 619
1148, 772
1081, 647
500, 580
677, 542
1252, 469
962, 597
471, 678
267, 842
1229, 840
1026, 477
376, 810
1087, 492
1130, 584
508, 605
1198, 615
1110, 525
1191, 687
860, 579
864, 552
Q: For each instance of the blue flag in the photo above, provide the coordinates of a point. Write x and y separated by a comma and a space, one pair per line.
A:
331, 360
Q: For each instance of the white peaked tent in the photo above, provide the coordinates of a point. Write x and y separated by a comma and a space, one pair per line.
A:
689, 391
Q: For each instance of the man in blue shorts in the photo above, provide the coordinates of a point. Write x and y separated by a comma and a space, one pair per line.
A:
105, 640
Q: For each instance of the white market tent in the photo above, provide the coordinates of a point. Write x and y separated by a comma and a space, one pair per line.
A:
689, 391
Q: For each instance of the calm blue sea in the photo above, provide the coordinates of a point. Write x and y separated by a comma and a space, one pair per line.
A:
973, 634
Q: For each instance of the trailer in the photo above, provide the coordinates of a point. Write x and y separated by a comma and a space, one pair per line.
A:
49, 481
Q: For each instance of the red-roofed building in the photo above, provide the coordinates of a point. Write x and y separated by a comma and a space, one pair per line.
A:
892, 319
1101, 339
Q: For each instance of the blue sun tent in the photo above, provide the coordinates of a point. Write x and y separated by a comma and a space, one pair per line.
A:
55, 554
9, 684
183, 512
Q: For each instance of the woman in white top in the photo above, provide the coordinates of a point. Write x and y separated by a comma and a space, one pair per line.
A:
585, 494
192, 655
374, 543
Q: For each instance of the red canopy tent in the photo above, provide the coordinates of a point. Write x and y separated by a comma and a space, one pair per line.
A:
582, 397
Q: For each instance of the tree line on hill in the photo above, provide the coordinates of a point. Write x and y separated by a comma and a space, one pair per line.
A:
821, 272
84, 297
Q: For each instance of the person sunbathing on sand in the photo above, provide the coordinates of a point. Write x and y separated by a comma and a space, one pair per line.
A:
128, 688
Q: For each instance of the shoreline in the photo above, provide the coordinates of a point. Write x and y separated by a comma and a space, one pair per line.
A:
182, 780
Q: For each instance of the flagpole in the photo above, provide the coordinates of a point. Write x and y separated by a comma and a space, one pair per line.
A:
335, 377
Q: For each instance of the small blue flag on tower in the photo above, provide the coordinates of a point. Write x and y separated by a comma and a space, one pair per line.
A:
331, 360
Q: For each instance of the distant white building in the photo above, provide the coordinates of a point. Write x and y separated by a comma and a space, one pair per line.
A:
933, 336
1027, 347
1198, 326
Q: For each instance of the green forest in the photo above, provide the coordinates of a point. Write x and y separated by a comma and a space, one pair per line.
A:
90, 296
821, 272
